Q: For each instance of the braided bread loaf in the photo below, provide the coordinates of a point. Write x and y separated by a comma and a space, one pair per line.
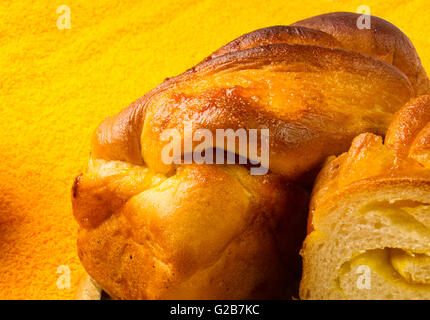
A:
153, 230
371, 208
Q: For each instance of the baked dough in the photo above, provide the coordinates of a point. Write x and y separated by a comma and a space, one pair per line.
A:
369, 223
151, 230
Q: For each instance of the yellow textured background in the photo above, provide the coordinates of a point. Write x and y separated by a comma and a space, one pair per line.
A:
57, 85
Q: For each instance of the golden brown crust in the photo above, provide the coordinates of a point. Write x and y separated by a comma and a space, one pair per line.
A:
276, 35
314, 113
149, 230
370, 207
371, 164
118, 137
209, 232
420, 148
407, 125
383, 40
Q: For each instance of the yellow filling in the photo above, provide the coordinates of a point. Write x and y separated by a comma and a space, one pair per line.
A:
396, 266
413, 267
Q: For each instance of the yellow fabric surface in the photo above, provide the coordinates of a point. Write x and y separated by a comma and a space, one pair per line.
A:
57, 85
